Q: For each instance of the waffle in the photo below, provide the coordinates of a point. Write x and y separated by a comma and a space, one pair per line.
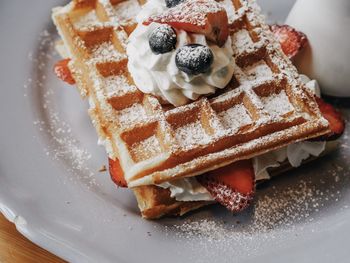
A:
264, 107
155, 202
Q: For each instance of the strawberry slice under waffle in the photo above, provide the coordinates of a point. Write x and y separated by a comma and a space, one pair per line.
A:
335, 119
63, 72
117, 173
205, 17
291, 40
232, 186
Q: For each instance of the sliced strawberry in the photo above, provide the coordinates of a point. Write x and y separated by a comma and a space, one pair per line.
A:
291, 40
63, 72
232, 186
335, 119
205, 17
117, 173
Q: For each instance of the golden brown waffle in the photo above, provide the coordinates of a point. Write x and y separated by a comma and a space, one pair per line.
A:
155, 202
264, 107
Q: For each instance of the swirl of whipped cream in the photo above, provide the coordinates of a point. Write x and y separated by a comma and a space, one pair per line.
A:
159, 75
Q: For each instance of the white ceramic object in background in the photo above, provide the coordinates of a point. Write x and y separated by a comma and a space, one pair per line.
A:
327, 59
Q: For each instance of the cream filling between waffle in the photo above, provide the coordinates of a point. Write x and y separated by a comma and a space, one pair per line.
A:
159, 75
188, 189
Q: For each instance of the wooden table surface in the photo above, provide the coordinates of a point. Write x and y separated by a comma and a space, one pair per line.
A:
15, 248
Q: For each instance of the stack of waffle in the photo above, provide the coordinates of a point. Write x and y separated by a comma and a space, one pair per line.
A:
264, 107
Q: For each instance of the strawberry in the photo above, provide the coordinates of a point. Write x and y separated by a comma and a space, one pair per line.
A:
63, 72
205, 17
291, 40
117, 173
232, 186
335, 119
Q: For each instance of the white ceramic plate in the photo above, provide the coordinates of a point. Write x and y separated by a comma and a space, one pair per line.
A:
51, 189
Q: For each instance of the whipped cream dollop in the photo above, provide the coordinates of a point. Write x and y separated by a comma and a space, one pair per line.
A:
159, 75
295, 153
188, 189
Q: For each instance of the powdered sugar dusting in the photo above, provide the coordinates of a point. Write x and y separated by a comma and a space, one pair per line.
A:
194, 56
126, 9
146, 149
249, 47
63, 145
259, 71
133, 114
191, 12
279, 213
284, 213
277, 104
230, 10
86, 21
233, 200
66, 144
241, 40
118, 86
191, 135
235, 117
106, 52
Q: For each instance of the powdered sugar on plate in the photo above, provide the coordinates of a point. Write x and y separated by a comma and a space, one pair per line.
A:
63, 146
290, 207
278, 213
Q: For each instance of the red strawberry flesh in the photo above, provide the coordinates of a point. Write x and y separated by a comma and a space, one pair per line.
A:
291, 40
335, 119
205, 17
232, 186
117, 173
63, 72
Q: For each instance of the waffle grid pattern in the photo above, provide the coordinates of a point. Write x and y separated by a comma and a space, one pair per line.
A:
264, 107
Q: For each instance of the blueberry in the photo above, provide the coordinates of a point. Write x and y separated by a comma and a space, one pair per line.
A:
162, 39
194, 59
172, 3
